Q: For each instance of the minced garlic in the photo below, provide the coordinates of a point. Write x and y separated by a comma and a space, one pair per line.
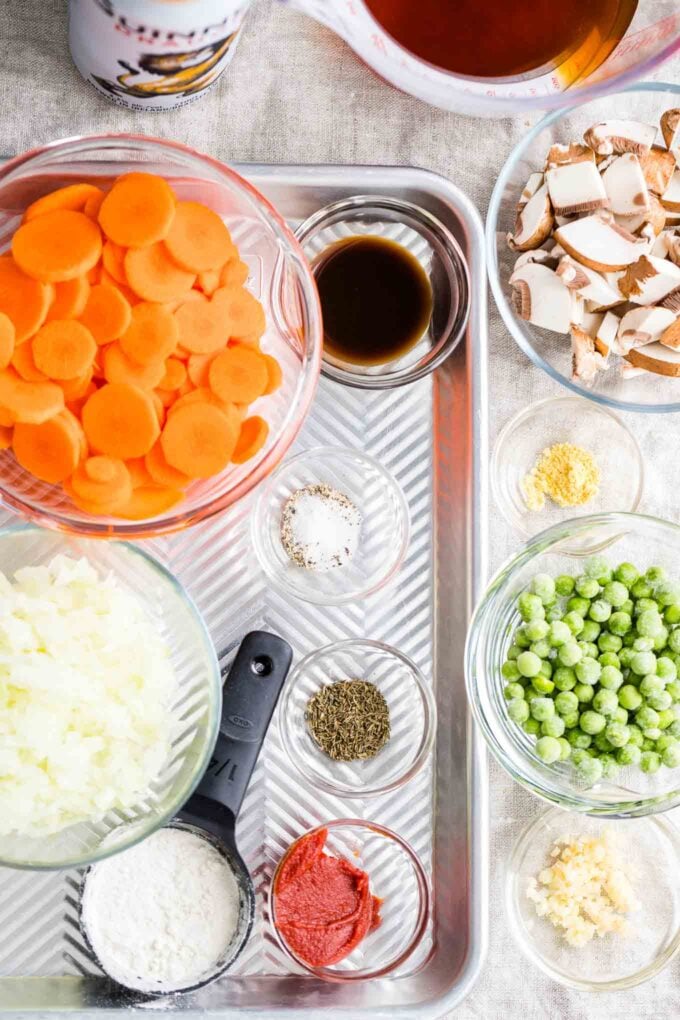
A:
568, 474
585, 890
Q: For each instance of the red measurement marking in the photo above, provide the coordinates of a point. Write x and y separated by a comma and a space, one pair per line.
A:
379, 43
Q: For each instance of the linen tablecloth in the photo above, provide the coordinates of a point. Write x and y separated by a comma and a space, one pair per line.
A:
295, 93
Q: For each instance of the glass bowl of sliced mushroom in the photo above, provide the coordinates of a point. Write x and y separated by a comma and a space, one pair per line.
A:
583, 247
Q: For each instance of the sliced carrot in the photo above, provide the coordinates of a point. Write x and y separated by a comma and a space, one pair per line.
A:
6, 435
76, 388
94, 275
198, 367
154, 276
75, 406
234, 273
199, 440
274, 374
238, 375
77, 430
209, 281
99, 362
150, 501
23, 300
198, 239
57, 246
24, 364
102, 480
118, 368
113, 260
175, 374
50, 451
70, 298
129, 295
7, 335
32, 403
252, 437
107, 314
203, 328
244, 313
159, 406
120, 420
73, 196
88, 507
191, 295
63, 349
161, 472
138, 210
152, 335
203, 395
139, 473
94, 204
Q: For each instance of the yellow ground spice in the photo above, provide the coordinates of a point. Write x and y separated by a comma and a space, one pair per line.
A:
566, 473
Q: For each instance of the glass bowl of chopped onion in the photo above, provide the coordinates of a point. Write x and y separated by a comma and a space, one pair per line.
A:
561, 457
110, 696
357, 718
595, 904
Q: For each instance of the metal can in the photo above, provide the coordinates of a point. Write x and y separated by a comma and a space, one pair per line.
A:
153, 55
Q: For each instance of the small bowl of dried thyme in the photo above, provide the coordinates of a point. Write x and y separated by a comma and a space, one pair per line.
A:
357, 718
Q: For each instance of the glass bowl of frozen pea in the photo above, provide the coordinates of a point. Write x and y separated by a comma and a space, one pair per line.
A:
573, 665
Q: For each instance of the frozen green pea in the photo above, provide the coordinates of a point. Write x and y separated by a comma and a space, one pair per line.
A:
630, 697
655, 574
510, 670
605, 702
615, 594
674, 641
620, 623
674, 728
673, 689
617, 734
518, 710
578, 605
565, 702
591, 631
512, 691
588, 649
660, 702
602, 744
564, 678
610, 766
564, 585
570, 719
641, 589
569, 654
520, 638
548, 749
642, 663
629, 754
580, 754
652, 733
643, 644
664, 741
666, 668
649, 623
609, 659
661, 640
646, 717
531, 726
610, 678
529, 664
671, 615
590, 770
636, 736
542, 685
588, 670
628, 608
554, 613
540, 648
530, 607
577, 738
587, 587
667, 593
544, 586
626, 657
609, 643
619, 716
666, 718
629, 639
565, 748
651, 684
650, 761
599, 611
546, 669
647, 745
626, 573
535, 630
559, 633
645, 606
574, 622
513, 652
671, 756
592, 722
584, 692
553, 727
600, 568
542, 708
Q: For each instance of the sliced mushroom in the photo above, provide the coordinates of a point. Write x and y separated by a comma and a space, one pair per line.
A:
546, 258
607, 332
541, 298
559, 155
671, 336
660, 247
531, 187
576, 188
656, 358
620, 136
625, 185
670, 129
602, 246
534, 222
642, 326
672, 247
658, 166
590, 284
648, 223
671, 196
672, 302
591, 322
649, 280
586, 361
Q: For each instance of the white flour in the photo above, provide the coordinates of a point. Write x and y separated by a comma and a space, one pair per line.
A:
160, 915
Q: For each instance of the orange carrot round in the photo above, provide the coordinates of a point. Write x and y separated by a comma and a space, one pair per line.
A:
238, 375
76, 388
57, 246
252, 437
152, 334
150, 501
24, 364
50, 451
32, 403
107, 314
175, 374
243, 312
23, 300
161, 472
113, 260
75, 405
139, 473
198, 367
63, 349
159, 405
234, 273
154, 276
198, 239
94, 204
204, 395
199, 440
138, 210
102, 480
274, 374
70, 298
118, 368
7, 335
73, 196
203, 328
208, 281
120, 420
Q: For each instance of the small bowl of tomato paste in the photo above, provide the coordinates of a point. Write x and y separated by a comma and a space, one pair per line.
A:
349, 901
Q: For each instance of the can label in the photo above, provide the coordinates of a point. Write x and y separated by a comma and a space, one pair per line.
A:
153, 56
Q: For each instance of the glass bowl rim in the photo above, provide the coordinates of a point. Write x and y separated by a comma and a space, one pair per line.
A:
182, 519
531, 409
424, 903
448, 341
416, 680
212, 727
260, 510
517, 928
548, 789
493, 270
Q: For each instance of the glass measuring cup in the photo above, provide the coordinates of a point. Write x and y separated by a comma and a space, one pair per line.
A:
652, 36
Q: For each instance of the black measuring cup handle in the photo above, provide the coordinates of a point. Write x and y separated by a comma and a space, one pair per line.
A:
251, 689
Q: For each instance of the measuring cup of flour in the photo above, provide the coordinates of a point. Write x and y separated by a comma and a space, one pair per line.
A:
174, 912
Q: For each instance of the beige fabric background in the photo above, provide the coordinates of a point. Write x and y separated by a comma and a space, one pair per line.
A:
296, 93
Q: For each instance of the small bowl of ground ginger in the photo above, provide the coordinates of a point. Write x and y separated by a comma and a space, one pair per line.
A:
561, 458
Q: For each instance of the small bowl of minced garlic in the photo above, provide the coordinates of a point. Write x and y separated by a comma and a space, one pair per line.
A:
563, 457
595, 903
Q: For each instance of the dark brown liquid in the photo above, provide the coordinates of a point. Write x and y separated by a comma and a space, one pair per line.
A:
506, 38
376, 299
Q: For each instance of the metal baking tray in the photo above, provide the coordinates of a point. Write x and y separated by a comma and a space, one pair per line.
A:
432, 435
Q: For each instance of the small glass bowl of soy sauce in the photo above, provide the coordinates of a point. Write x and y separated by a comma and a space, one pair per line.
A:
394, 290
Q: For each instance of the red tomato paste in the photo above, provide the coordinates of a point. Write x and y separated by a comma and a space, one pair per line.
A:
324, 905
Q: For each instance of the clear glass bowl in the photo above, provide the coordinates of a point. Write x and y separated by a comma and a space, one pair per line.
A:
438, 252
650, 848
383, 538
641, 540
397, 878
195, 710
280, 278
412, 718
551, 351
565, 420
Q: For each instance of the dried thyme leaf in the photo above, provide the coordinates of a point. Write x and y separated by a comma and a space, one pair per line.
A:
349, 720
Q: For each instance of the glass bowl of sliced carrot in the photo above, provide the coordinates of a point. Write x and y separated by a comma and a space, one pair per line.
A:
160, 336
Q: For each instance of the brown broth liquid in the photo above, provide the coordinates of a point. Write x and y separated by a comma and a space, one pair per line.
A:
376, 299
505, 38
